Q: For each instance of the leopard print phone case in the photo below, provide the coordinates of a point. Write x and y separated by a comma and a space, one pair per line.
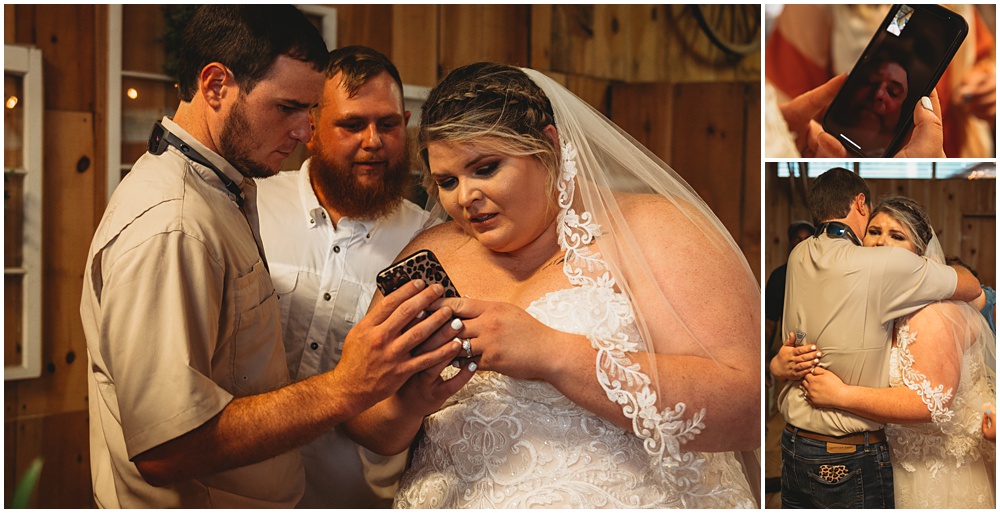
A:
421, 265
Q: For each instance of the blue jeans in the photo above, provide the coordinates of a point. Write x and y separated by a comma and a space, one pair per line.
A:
811, 477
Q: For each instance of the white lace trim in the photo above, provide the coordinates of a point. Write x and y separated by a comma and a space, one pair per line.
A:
936, 398
953, 440
623, 381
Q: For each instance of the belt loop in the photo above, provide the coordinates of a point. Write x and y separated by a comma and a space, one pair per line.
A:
866, 441
795, 433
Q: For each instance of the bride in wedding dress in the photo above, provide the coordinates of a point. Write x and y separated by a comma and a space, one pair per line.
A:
939, 381
608, 320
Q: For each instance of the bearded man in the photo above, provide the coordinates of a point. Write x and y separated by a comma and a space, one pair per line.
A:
328, 229
190, 405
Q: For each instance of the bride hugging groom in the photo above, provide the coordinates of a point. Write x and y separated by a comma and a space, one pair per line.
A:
889, 375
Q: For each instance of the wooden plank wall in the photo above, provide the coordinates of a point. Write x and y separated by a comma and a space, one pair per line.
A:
963, 213
47, 417
645, 67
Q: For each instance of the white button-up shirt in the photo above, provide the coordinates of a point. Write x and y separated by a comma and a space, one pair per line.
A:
325, 280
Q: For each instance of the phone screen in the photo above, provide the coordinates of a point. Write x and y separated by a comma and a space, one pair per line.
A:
874, 110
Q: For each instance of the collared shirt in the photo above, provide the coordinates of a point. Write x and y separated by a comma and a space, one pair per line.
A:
325, 279
845, 298
180, 317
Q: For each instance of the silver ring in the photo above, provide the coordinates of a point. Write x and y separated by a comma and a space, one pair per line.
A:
467, 346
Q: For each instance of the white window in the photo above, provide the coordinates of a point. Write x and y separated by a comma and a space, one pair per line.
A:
22, 184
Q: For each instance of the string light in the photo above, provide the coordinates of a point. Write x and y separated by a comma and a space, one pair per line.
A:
132, 93
11, 102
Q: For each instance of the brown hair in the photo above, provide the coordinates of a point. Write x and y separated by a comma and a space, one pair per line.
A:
832, 192
492, 104
359, 64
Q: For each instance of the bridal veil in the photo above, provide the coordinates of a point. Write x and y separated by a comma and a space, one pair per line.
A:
600, 161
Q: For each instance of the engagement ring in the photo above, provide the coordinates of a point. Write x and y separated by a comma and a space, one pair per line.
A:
467, 346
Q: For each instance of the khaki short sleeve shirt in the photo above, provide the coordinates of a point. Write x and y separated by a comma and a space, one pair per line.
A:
180, 317
845, 298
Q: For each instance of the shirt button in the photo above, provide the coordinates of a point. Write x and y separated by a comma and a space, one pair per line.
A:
336, 249
327, 296
314, 346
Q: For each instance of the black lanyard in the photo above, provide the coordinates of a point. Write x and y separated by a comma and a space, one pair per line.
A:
160, 138
837, 230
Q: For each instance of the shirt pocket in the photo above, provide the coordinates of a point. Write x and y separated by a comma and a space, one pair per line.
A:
258, 361
286, 282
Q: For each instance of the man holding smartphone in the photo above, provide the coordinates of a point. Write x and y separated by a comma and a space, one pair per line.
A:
188, 403
328, 229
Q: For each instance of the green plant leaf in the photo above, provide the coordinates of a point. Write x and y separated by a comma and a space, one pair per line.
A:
29, 481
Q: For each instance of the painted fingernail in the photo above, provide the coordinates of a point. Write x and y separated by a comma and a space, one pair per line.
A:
813, 348
815, 360
819, 353
926, 103
472, 367
456, 324
421, 314
455, 364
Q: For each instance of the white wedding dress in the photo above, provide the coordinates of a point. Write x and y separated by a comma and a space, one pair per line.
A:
945, 463
502, 442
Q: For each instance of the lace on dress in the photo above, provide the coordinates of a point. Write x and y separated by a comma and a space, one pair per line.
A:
946, 462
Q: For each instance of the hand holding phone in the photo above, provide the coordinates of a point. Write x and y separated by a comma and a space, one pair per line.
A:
421, 265
906, 57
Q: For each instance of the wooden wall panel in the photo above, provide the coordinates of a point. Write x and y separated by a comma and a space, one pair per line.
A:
540, 56
644, 111
649, 43
144, 25
69, 140
963, 213
365, 24
708, 140
472, 33
47, 416
62, 441
749, 239
414, 43
65, 34
9, 23
641, 43
10, 473
587, 40
594, 91
978, 244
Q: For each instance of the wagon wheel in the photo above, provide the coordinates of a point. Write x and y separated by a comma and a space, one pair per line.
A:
733, 28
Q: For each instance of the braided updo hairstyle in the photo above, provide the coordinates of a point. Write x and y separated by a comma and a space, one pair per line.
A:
490, 104
911, 215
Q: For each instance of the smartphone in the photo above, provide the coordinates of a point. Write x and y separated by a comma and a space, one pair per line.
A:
421, 265
873, 112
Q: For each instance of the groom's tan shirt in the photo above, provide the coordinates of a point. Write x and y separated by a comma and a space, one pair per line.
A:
844, 298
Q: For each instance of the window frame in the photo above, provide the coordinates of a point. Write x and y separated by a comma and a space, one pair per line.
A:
26, 62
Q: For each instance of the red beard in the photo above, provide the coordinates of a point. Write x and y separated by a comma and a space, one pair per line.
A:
350, 198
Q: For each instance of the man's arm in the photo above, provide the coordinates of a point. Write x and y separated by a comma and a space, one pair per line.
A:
968, 287
375, 363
